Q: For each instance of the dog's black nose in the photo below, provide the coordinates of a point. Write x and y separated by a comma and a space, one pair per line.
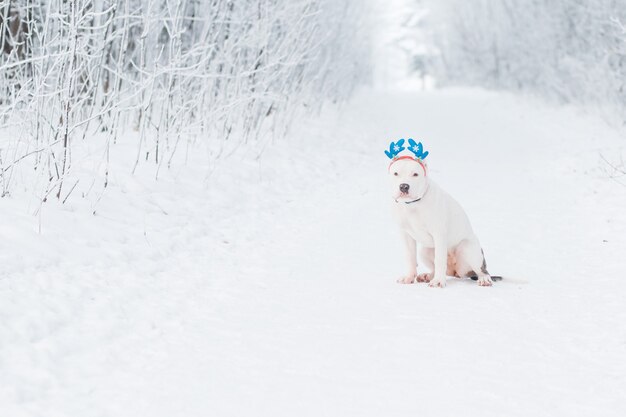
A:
404, 188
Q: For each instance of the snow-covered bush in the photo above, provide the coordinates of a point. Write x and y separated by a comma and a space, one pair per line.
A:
206, 71
571, 50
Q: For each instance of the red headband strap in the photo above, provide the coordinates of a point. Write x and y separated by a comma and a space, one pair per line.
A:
407, 157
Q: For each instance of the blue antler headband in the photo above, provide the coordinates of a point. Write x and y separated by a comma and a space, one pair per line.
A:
416, 149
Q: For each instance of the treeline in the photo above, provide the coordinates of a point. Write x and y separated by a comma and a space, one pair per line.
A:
571, 50
173, 70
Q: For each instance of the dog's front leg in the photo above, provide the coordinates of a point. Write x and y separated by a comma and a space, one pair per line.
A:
441, 261
411, 252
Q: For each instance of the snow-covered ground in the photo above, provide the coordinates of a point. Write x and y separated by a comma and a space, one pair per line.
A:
269, 289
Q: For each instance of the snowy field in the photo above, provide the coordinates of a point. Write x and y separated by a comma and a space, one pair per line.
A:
270, 290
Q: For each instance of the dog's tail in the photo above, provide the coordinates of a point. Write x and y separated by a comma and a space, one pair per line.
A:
505, 279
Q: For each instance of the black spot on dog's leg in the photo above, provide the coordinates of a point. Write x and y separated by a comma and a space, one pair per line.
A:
483, 268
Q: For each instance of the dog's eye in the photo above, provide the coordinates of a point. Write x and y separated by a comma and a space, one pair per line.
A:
395, 173
415, 175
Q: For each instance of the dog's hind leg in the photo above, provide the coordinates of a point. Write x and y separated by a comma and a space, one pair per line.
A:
411, 252
470, 262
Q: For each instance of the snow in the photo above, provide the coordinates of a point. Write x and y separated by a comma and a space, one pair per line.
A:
268, 289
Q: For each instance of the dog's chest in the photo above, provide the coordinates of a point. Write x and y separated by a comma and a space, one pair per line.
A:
416, 226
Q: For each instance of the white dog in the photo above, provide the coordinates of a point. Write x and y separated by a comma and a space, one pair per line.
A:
429, 216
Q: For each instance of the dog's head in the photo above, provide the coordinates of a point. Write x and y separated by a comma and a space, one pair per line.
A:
408, 179
408, 173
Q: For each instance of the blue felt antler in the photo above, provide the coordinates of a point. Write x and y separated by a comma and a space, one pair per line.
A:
417, 149
395, 148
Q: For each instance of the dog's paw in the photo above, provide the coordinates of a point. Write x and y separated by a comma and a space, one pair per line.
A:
437, 282
424, 277
406, 280
485, 281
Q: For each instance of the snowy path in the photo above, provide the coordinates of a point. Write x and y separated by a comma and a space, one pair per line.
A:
273, 292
